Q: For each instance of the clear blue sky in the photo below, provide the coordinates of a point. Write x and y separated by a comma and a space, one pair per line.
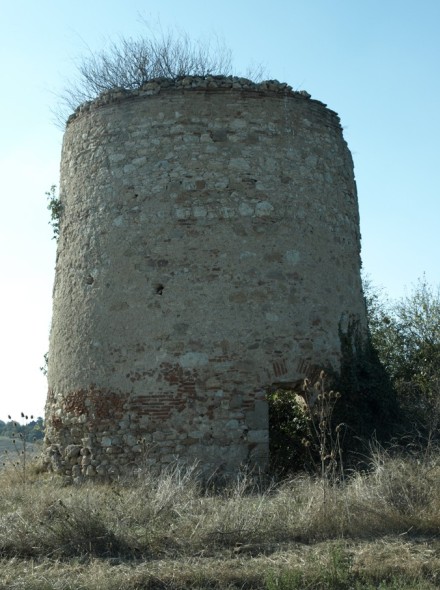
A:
375, 62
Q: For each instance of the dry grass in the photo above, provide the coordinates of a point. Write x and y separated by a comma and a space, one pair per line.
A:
377, 530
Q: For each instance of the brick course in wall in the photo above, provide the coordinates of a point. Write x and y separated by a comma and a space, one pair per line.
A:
209, 249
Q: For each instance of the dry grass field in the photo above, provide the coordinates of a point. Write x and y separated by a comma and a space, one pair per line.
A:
378, 529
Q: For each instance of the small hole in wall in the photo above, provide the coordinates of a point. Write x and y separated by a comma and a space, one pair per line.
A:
90, 280
159, 289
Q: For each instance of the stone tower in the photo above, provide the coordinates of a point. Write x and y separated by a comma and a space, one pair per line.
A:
209, 249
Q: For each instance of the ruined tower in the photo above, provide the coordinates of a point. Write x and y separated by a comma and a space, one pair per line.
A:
209, 248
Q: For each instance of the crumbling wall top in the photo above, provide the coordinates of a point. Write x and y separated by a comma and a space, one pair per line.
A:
211, 83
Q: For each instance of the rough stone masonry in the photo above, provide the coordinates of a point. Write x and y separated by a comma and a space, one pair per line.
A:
209, 249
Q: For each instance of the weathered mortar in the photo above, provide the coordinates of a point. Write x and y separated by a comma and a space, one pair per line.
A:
209, 248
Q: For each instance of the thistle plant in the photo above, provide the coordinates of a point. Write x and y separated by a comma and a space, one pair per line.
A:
303, 434
323, 436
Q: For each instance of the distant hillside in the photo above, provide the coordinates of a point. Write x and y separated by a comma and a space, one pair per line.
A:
6, 444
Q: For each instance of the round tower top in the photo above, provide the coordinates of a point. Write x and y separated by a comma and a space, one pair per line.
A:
211, 83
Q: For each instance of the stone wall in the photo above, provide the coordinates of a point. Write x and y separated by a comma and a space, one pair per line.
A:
209, 249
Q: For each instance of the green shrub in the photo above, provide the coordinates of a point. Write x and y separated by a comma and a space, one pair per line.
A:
288, 430
406, 337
